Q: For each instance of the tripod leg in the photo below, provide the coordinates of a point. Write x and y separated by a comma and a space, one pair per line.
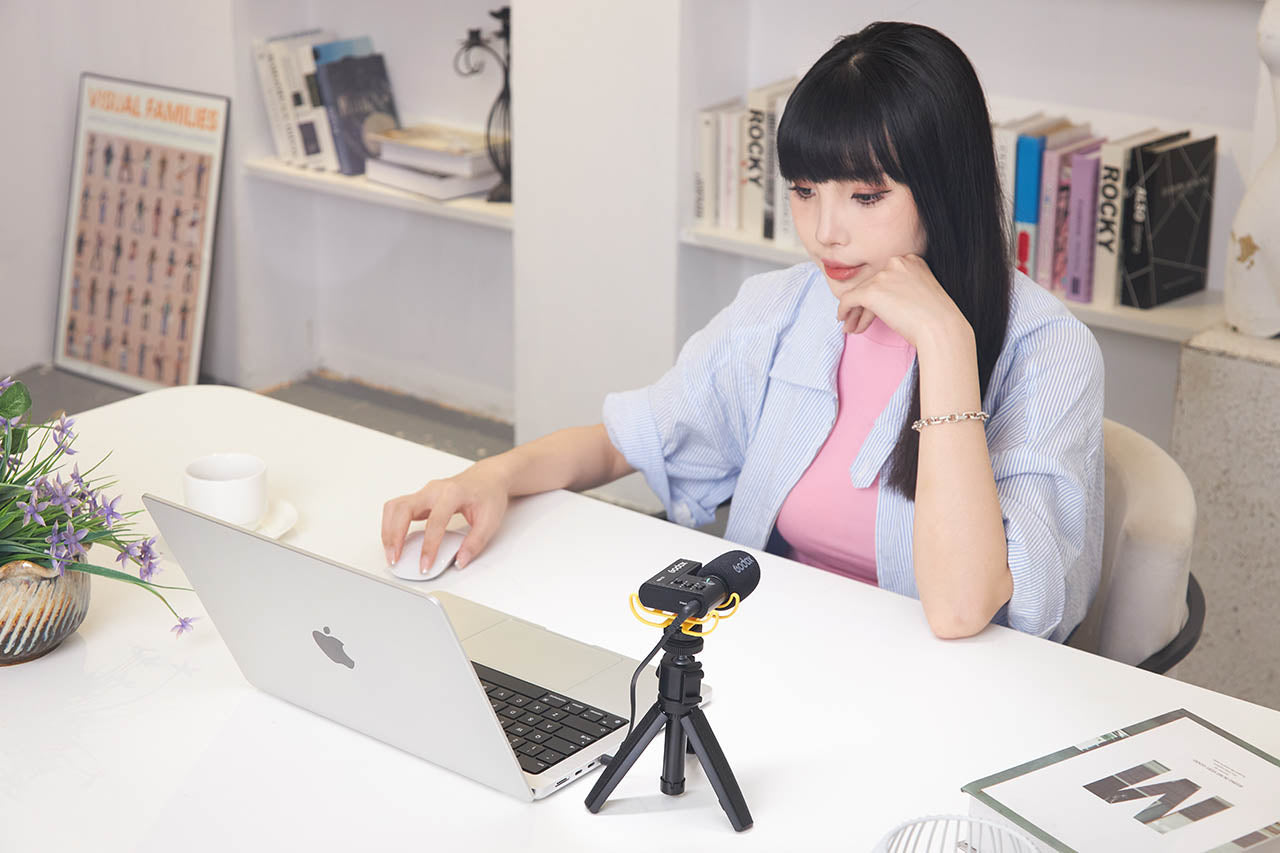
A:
626, 756
672, 782
717, 768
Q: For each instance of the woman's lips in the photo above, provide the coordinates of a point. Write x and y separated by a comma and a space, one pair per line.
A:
840, 273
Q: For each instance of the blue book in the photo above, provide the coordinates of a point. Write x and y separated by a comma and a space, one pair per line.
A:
357, 95
334, 50
1026, 201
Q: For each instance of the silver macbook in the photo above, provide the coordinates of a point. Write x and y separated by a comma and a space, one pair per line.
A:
492, 697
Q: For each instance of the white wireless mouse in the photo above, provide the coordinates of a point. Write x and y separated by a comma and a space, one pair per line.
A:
407, 566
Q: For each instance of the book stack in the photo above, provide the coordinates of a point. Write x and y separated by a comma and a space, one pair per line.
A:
434, 160
1108, 221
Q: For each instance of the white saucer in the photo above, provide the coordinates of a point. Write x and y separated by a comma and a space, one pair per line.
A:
280, 518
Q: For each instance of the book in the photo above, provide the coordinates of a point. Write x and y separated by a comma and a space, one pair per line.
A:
341, 49
311, 122
1167, 243
1055, 191
436, 185
728, 211
276, 101
436, 147
1172, 784
706, 166
1026, 192
1112, 163
1082, 207
1005, 138
784, 227
357, 96
766, 99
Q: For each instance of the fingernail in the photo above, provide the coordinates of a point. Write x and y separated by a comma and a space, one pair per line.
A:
391, 557
463, 559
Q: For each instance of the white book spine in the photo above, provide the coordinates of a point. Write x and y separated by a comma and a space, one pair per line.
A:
272, 98
730, 169
754, 133
1006, 144
706, 171
1106, 238
1051, 173
309, 154
784, 228
280, 85
304, 64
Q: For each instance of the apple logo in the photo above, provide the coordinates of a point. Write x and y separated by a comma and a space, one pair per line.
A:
332, 647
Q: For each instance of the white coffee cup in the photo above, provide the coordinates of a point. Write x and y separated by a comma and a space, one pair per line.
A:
229, 486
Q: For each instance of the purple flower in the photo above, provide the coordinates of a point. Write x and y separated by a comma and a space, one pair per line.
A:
57, 550
184, 625
108, 511
8, 424
130, 552
77, 479
71, 538
60, 495
62, 435
5, 383
31, 511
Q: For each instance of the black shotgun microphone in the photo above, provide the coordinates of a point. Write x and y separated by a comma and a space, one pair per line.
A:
692, 589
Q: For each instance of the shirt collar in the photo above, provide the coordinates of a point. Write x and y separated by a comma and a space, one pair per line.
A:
810, 352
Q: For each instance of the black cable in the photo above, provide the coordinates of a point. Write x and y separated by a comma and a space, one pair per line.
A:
667, 633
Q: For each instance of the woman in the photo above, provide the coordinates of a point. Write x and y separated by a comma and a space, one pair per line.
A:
803, 398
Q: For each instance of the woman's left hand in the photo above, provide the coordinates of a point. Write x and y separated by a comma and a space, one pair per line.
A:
906, 296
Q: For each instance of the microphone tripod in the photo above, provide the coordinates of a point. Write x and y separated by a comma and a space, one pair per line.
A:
679, 693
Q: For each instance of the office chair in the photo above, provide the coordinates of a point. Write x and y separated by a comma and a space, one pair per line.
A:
1149, 609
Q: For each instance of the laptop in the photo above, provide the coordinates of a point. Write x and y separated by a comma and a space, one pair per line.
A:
494, 698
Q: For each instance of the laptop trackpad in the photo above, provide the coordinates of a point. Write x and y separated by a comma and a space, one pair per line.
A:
538, 655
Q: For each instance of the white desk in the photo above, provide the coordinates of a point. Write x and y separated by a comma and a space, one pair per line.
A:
839, 712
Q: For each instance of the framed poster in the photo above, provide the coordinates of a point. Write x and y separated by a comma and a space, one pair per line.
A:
146, 170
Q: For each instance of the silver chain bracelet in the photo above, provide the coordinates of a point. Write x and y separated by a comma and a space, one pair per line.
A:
949, 419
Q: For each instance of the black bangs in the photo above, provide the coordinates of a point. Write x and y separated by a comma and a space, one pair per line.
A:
834, 129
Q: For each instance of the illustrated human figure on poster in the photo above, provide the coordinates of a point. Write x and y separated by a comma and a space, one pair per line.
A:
180, 174
156, 213
183, 312
108, 154
125, 173
175, 219
139, 215
120, 209
95, 263
146, 310
133, 259
158, 360
93, 149
193, 224
117, 249
80, 245
173, 263
142, 356
111, 300
102, 207
106, 342
93, 296
146, 168
88, 341
189, 268
164, 164
177, 365
151, 265
84, 203
75, 292
128, 306
165, 312
201, 168
124, 352
71, 336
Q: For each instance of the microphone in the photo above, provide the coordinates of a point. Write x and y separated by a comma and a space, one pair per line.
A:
690, 589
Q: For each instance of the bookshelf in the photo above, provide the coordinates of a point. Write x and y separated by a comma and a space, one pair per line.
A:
1176, 321
473, 209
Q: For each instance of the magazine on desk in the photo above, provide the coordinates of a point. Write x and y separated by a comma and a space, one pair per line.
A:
1172, 784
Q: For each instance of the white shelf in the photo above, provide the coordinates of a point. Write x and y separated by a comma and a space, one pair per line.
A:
467, 209
1175, 321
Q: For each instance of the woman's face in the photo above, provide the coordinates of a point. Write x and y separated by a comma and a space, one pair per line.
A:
851, 228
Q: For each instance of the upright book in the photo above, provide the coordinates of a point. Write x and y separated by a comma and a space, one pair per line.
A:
1167, 251
357, 94
728, 208
1026, 198
706, 166
1082, 207
1055, 193
1171, 784
1004, 136
768, 100
311, 122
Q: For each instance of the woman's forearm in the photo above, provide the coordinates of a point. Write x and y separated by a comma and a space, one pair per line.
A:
961, 560
576, 458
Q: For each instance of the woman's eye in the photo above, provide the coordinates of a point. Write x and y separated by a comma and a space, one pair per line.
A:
801, 192
867, 199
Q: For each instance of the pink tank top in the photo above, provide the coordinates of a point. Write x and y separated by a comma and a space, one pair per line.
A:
829, 523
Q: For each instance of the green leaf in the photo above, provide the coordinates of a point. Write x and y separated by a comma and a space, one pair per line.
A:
15, 400
19, 441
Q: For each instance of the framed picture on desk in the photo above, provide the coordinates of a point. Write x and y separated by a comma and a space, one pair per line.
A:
146, 169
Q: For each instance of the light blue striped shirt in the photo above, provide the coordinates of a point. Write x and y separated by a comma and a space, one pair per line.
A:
752, 398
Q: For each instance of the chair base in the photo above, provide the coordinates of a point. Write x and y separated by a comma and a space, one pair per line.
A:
1177, 648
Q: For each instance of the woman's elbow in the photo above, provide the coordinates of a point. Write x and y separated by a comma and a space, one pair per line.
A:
965, 617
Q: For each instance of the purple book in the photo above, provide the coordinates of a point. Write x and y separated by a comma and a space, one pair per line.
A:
1077, 282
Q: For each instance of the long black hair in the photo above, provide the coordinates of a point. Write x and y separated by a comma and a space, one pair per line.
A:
903, 101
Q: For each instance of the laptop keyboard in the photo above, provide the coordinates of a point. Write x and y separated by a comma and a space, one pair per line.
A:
544, 728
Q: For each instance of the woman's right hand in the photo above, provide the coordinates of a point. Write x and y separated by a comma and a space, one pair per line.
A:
479, 493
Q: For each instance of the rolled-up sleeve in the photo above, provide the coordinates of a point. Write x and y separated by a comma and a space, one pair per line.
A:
685, 432
1045, 441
